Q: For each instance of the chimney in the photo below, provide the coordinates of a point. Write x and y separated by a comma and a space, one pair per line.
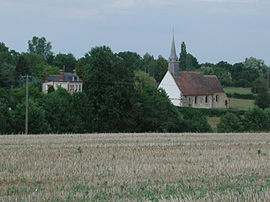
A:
47, 76
61, 75
74, 72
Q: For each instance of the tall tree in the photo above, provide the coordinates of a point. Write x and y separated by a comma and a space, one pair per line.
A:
183, 57
41, 47
109, 87
22, 67
67, 61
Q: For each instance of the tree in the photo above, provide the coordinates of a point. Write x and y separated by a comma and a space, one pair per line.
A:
7, 75
191, 62
263, 98
66, 61
152, 110
229, 123
256, 120
132, 60
37, 123
183, 57
108, 84
22, 67
258, 85
195, 121
4, 116
58, 110
41, 47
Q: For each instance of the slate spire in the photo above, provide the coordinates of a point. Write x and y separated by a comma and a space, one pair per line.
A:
173, 62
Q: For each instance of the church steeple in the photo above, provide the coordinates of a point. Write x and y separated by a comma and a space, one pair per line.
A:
173, 63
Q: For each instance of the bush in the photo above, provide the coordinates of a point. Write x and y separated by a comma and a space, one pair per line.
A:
229, 123
195, 121
257, 120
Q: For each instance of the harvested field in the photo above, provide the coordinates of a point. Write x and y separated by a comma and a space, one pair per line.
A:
180, 167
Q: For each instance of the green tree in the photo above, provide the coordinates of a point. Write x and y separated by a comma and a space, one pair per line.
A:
4, 116
58, 110
195, 121
229, 123
152, 110
41, 47
132, 60
67, 61
263, 98
258, 85
7, 75
37, 123
158, 68
191, 62
22, 67
109, 87
183, 57
256, 120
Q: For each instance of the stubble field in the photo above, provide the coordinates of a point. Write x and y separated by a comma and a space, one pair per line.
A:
100, 167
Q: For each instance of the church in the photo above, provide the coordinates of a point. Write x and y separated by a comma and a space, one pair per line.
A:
190, 88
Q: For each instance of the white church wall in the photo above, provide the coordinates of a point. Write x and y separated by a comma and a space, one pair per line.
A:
171, 88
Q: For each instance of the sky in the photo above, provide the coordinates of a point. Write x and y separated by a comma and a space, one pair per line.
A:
213, 30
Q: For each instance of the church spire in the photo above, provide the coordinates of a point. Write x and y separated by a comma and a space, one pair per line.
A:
173, 51
173, 63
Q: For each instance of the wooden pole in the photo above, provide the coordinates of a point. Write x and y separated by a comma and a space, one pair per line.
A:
26, 107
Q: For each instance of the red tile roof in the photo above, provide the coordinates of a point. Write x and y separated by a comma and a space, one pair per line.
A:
195, 83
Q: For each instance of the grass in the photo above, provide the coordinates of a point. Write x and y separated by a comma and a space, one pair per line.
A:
135, 167
213, 122
241, 104
243, 91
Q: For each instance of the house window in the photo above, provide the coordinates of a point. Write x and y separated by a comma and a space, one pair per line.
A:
216, 98
206, 99
72, 87
195, 100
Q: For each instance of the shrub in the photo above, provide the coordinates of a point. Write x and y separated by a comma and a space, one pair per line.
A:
229, 123
195, 121
256, 119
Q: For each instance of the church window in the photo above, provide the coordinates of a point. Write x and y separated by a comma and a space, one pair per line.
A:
216, 98
206, 99
195, 100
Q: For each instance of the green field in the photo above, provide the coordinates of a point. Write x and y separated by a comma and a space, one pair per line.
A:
243, 91
241, 104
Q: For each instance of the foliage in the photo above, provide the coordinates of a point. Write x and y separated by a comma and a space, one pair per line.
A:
58, 111
195, 121
152, 111
258, 85
263, 98
183, 57
4, 115
108, 85
229, 123
65, 61
132, 60
41, 47
7, 75
256, 119
37, 123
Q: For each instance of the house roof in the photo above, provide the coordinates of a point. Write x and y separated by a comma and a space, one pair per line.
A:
68, 77
195, 83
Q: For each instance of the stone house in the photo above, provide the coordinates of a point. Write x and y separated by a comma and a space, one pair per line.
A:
69, 81
192, 89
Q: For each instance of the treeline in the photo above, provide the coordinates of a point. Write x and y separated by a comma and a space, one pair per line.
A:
119, 92
115, 98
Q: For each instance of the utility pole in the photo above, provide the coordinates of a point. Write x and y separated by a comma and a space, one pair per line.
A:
268, 78
26, 106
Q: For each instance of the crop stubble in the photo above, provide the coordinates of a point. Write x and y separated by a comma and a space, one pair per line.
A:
188, 167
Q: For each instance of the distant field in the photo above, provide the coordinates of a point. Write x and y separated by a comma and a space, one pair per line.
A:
135, 167
232, 90
241, 104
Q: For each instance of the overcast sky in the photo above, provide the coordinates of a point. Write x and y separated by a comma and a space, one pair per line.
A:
213, 30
